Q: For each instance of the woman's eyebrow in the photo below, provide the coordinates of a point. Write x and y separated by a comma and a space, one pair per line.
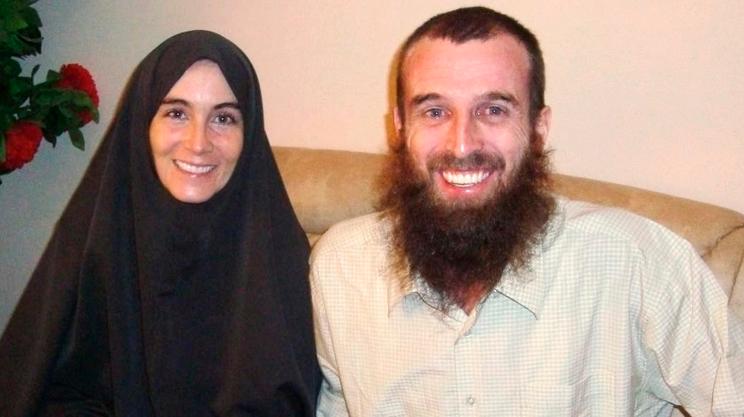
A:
171, 100
230, 104
182, 102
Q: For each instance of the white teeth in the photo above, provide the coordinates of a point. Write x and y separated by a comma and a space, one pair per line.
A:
194, 169
464, 179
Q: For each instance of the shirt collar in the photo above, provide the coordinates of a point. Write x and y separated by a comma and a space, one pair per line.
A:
400, 285
525, 288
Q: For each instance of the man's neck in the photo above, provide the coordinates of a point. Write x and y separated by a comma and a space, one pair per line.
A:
471, 296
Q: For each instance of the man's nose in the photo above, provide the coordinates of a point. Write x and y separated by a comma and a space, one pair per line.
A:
463, 136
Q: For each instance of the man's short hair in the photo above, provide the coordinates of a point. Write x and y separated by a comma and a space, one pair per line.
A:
481, 23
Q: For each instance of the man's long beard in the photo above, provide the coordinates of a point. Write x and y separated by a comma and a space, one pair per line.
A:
457, 248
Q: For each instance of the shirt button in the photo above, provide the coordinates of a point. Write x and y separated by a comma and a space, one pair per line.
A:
470, 401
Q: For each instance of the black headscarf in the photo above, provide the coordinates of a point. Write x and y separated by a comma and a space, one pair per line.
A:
146, 306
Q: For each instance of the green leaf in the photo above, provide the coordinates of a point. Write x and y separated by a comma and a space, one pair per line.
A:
66, 112
19, 29
76, 136
14, 23
82, 100
20, 87
51, 138
10, 68
50, 97
31, 16
53, 76
5, 121
26, 113
42, 99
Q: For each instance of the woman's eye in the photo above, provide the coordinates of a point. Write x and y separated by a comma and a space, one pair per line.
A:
225, 119
176, 114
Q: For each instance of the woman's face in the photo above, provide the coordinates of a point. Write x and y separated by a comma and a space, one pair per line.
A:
196, 135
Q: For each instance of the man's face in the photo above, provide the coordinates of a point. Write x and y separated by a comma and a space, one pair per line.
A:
466, 120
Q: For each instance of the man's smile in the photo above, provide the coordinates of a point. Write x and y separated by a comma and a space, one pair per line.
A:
464, 179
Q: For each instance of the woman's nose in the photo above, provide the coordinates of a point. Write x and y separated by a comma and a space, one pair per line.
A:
198, 140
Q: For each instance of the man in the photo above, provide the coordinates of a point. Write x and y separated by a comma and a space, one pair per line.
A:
476, 292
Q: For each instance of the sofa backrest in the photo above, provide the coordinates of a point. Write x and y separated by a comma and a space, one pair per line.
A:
328, 186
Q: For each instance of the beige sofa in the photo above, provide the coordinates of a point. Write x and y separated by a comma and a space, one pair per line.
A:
329, 186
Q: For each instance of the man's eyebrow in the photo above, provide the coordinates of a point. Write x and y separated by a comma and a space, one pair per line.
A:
500, 96
422, 98
491, 96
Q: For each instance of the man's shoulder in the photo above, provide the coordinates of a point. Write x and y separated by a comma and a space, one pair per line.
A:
360, 233
614, 224
352, 257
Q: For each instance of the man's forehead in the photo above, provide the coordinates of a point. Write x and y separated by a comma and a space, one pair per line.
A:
500, 63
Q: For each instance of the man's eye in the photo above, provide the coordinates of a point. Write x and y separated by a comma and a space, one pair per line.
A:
495, 110
434, 113
491, 111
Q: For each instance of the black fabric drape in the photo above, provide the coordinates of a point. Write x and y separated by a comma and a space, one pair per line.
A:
145, 306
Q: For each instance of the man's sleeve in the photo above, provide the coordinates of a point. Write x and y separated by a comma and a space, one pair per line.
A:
331, 400
693, 342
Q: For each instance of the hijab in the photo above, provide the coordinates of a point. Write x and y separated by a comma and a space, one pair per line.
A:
142, 305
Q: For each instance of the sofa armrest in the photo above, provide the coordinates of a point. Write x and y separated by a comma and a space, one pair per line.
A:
716, 233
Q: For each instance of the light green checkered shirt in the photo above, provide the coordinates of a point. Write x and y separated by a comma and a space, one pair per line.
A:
614, 316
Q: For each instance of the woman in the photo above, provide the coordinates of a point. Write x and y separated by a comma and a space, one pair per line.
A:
175, 281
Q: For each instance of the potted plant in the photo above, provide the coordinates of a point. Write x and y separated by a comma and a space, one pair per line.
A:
63, 103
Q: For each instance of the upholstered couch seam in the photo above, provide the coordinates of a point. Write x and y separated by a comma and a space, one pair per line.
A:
715, 244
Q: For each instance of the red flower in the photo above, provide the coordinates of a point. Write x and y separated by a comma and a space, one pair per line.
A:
21, 143
76, 77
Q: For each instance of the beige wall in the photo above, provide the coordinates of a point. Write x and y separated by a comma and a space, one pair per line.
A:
645, 93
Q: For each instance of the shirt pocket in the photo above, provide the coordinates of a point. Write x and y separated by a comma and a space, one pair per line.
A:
592, 396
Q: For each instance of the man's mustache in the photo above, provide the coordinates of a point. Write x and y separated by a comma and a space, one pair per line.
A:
491, 161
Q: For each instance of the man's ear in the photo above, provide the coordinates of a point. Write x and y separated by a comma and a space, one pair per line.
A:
397, 139
397, 122
542, 127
